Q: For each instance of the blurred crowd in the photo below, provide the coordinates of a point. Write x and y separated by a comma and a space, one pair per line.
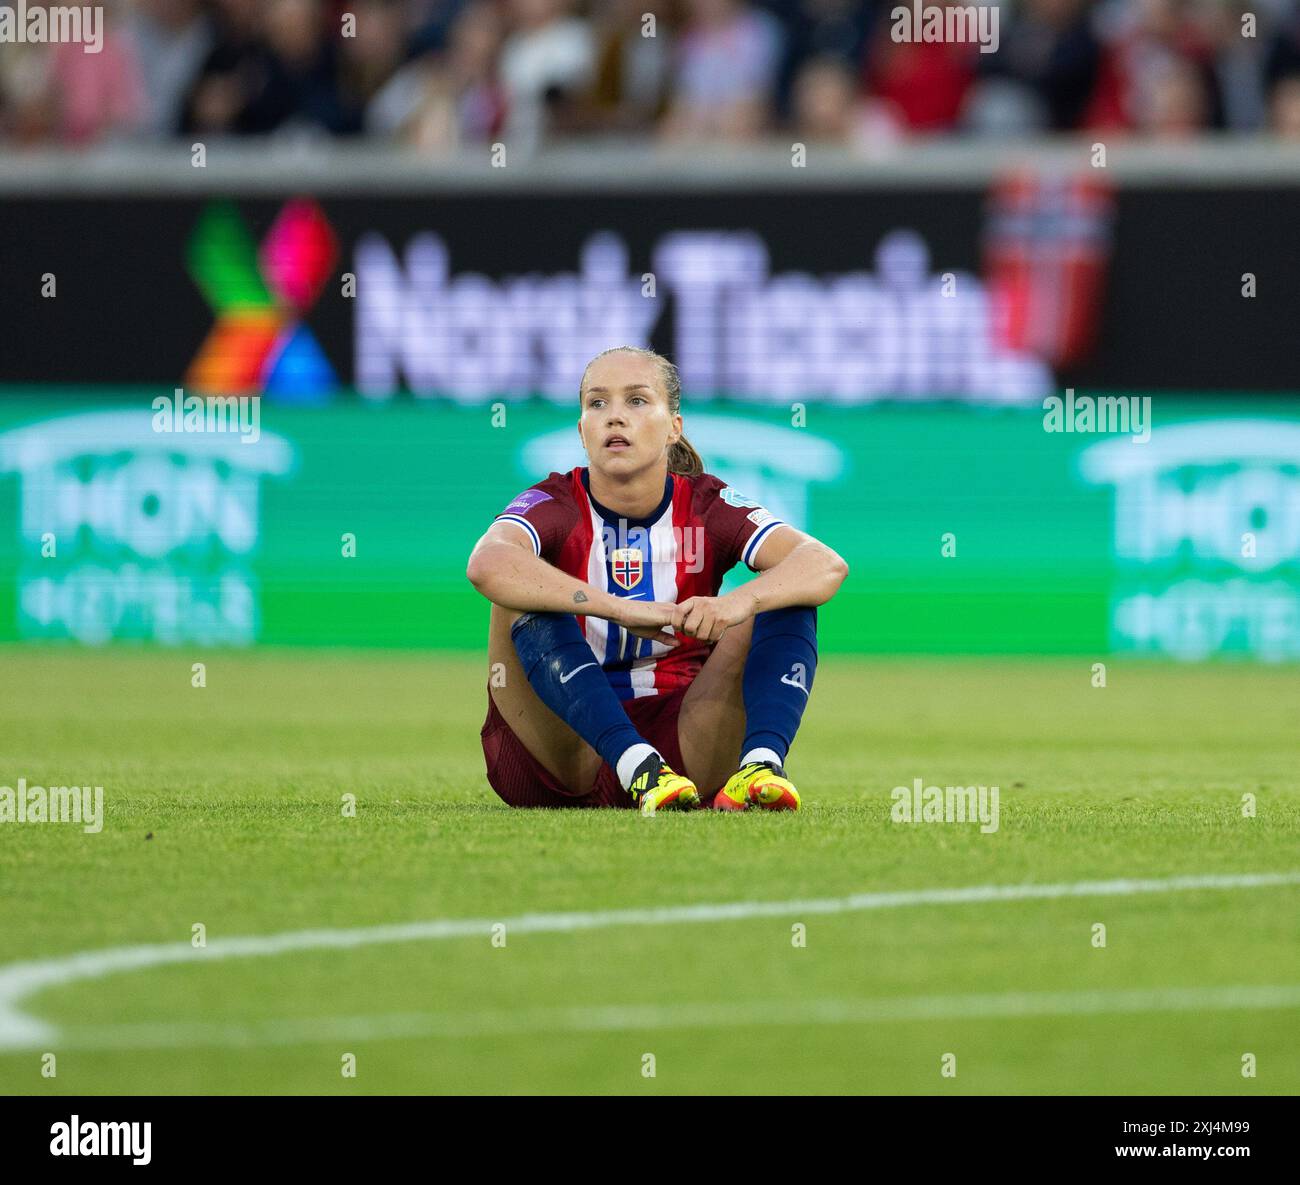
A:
441, 74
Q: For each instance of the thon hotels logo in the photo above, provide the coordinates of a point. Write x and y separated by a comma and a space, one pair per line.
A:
1207, 538
260, 295
129, 532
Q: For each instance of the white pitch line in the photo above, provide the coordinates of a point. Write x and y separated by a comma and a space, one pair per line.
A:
20, 980
623, 1018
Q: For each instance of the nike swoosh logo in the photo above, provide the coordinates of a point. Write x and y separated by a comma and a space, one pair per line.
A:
784, 679
632, 596
585, 665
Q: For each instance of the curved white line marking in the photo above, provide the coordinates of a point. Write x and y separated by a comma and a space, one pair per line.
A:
516, 1022
20, 980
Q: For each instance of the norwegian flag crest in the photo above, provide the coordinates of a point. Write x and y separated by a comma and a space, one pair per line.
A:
625, 564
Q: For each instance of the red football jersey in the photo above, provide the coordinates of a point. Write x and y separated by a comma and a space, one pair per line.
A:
682, 549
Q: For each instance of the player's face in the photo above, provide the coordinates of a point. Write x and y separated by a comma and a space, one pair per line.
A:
625, 423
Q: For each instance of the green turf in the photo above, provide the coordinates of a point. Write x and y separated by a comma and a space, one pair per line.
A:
240, 784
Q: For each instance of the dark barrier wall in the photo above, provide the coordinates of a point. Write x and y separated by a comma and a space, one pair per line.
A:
1137, 290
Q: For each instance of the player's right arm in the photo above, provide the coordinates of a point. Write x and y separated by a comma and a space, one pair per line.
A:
506, 570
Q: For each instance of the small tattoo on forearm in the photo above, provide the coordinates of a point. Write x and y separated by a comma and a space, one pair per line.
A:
579, 597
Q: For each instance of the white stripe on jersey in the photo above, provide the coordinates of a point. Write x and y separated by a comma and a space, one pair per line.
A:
756, 541
597, 627
663, 577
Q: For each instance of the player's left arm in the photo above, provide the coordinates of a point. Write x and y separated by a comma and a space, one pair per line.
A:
793, 569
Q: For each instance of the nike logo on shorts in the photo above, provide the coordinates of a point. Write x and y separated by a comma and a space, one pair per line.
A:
784, 679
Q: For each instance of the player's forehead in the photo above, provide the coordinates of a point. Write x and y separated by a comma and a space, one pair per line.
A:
617, 373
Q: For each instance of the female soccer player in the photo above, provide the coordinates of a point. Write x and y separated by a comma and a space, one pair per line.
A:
615, 662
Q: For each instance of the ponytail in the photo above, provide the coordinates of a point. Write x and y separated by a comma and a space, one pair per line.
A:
683, 459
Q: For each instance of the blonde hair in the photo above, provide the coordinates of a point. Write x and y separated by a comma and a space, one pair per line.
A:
682, 457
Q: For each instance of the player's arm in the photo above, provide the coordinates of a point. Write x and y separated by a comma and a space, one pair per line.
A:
794, 569
506, 570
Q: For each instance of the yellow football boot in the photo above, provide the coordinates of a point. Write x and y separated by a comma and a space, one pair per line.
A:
759, 784
659, 789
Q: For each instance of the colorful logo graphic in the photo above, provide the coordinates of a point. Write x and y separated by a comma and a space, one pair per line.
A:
259, 344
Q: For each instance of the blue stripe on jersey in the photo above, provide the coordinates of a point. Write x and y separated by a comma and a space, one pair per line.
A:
621, 647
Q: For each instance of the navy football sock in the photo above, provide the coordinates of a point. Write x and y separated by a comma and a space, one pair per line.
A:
564, 672
778, 678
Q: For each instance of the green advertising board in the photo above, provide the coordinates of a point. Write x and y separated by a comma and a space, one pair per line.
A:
967, 530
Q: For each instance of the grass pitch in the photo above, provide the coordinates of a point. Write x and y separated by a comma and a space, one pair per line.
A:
240, 786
